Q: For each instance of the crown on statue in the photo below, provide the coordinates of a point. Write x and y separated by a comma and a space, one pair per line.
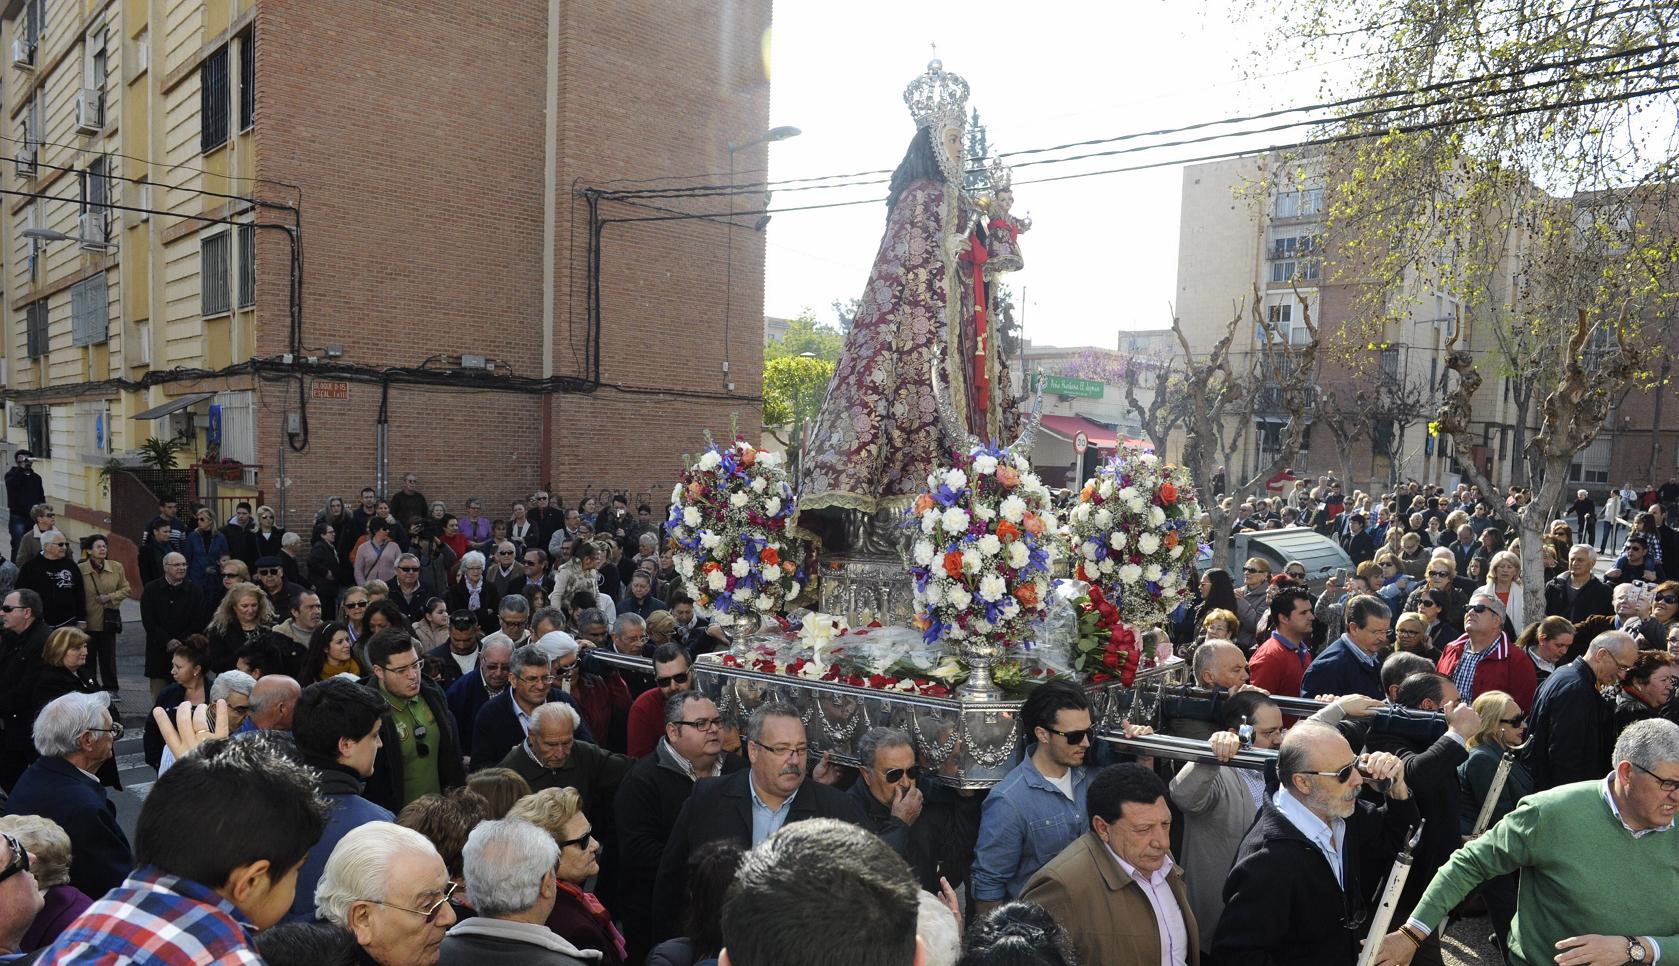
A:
997, 174
937, 98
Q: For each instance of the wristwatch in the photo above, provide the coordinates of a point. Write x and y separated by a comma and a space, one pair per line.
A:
1635, 949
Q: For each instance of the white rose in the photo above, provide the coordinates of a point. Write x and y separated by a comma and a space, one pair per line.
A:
1130, 573
772, 506
992, 588
929, 520
758, 484
1102, 518
1014, 508
715, 580
934, 594
924, 552
691, 516
971, 563
955, 479
1152, 572
1019, 556
738, 500
985, 463
709, 460
740, 568
1148, 543
684, 565
958, 598
1156, 516
989, 545
1116, 540
954, 520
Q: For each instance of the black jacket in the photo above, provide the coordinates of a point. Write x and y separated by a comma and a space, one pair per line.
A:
1569, 732
1594, 598
53, 788
595, 772
414, 604
20, 665
241, 544
384, 786
942, 840
1340, 670
722, 810
1431, 774
496, 730
24, 490
449, 670
169, 613
488, 601
59, 582
1282, 905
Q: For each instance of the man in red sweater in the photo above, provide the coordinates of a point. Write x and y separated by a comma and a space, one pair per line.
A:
1280, 662
1483, 659
647, 715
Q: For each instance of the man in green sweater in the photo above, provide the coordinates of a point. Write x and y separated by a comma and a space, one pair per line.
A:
1570, 843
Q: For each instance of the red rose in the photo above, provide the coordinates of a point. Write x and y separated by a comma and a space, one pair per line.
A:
1112, 660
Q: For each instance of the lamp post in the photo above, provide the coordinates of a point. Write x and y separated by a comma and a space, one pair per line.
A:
781, 133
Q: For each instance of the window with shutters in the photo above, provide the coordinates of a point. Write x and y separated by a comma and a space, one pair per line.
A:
89, 312
247, 265
213, 102
37, 423
239, 430
96, 197
247, 80
35, 328
213, 274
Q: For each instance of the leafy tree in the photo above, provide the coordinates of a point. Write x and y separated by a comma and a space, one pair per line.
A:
805, 334
794, 388
845, 310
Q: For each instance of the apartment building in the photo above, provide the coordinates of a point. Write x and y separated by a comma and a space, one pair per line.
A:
324, 245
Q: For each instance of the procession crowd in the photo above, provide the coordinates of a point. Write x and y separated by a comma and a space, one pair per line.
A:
403, 738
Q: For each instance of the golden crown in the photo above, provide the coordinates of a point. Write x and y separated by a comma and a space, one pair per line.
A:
937, 97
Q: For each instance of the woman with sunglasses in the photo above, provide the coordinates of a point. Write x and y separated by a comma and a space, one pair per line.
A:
1441, 579
1503, 727
352, 612
1647, 690
578, 916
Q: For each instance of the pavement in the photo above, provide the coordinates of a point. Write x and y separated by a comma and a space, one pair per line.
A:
135, 704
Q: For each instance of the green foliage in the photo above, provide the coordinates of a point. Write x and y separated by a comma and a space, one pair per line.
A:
160, 453
794, 388
805, 334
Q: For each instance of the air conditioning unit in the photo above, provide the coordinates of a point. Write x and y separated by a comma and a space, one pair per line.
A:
91, 231
90, 112
25, 161
23, 54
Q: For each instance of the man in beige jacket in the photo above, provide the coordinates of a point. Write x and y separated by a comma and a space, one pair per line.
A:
1116, 890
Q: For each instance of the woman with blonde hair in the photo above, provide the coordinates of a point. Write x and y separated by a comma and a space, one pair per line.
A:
48, 846
1504, 577
1410, 634
578, 916
243, 617
1503, 729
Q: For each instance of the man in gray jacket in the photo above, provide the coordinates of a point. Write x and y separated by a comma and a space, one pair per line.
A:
1219, 803
509, 871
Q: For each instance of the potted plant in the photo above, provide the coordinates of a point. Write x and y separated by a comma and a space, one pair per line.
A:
159, 453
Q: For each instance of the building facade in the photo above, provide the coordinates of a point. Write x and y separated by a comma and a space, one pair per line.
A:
327, 250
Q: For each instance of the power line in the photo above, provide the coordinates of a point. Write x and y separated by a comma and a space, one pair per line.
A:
248, 199
178, 166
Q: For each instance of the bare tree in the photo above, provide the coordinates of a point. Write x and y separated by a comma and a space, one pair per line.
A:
1166, 409
1347, 423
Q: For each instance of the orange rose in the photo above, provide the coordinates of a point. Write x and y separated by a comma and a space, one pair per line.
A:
748, 456
788, 568
1027, 594
769, 555
1007, 476
1034, 524
1169, 493
1087, 493
953, 565
1007, 532
711, 565
1171, 539
696, 489
923, 503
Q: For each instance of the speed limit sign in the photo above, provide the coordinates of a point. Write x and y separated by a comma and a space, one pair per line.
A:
1081, 443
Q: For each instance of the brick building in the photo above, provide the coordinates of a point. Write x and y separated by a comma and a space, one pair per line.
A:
430, 155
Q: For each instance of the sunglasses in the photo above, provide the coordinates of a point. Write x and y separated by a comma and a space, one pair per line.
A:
1078, 736
1341, 775
1425, 602
354, 604
20, 858
582, 841
409, 570
895, 775
1254, 570
1438, 573
268, 572
680, 678
1666, 599
1515, 722
430, 913
1479, 609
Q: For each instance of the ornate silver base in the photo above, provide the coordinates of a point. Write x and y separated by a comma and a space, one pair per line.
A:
869, 588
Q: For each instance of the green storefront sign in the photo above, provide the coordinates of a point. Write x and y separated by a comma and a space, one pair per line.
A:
1069, 386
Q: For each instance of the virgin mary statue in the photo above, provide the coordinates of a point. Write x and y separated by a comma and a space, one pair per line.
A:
927, 303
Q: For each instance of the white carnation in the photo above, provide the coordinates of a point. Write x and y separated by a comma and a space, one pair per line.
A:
709, 460
769, 460
1019, 556
971, 562
1168, 578
1102, 518
1148, 543
1135, 504
934, 594
1010, 608
1116, 540
1156, 516
771, 572
958, 598
992, 588
1152, 572
1130, 573
1014, 508
955, 479
981, 626
758, 484
1177, 551
1089, 551
676, 494
954, 520
1106, 489
740, 568
766, 602
985, 463
1021, 463
793, 590
691, 516
1030, 480
923, 552
929, 520
984, 512
1106, 566
772, 506
1128, 494
684, 565
1080, 513
738, 500
715, 580
989, 545
709, 540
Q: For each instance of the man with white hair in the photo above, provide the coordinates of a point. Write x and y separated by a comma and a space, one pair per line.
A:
1569, 732
1577, 593
1571, 842
75, 735
388, 886
234, 687
551, 756
57, 579
505, 574
504, 721
509, 870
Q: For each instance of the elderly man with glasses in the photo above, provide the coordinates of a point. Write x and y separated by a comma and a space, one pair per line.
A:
1572, 842
387, 885
172, 608
505, 720
55, 576
1570, 727
509, 867
75, 735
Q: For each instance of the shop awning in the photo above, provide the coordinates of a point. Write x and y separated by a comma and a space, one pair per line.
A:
1067, 427
174, 405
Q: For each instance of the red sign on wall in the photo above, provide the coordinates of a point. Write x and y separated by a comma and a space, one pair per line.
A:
329, 389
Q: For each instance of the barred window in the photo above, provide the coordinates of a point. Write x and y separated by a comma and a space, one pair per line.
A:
35, 328
247, 265
89, 312
37, 421
247, 80
213, 274
213, 101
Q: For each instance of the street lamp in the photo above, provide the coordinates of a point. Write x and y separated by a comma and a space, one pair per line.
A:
781, 133
53, 235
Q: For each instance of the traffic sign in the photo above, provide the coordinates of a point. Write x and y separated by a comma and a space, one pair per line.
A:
1081, 442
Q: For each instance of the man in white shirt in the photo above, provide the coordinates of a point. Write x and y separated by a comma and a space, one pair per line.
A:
1119, 874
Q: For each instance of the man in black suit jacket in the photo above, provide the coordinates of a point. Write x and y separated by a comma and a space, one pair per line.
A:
501, 723
749, 806
1575, 593
1569, 739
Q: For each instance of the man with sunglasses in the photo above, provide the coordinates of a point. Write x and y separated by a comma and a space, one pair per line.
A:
1253, 599
21, 898
671, 674
1570, 726
406, 591
1484, 659
421, 753
923, 823
1297, 892
690, 750
75, 735
1598, 859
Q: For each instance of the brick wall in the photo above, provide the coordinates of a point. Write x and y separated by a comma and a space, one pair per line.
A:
416, 132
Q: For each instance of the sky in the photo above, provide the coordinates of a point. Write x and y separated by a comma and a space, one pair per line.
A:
1102, 253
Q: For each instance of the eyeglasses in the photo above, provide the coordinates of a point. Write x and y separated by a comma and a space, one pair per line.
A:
895, 775
1075, 737
430, 913
354, 604
665, 682
115, 731
538, 679
1254, 570
1515, 722
788, 751
1668, 787
1297, 574
1425, 602
1479, 609
702, 724
582, 841
1438, 573
413, 668
20, 858
568, 670
1341, 775
504, 553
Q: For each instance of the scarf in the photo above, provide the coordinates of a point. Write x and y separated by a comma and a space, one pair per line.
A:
598, 913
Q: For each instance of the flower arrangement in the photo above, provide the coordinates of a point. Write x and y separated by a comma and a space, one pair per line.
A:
728, 519
1134, 532
981, 562
1106, 649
